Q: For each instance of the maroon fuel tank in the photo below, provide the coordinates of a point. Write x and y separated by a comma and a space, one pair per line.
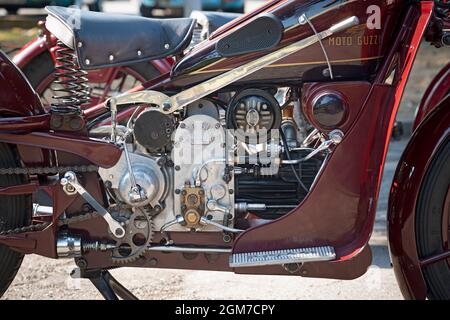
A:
17, 97
354, 54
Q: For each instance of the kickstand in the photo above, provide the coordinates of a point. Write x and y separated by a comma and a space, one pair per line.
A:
106, 284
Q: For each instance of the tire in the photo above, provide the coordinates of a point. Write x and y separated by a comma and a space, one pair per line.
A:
41, 67
97, 6
12, 10
146, 11
15, 213
429, 223
236, 10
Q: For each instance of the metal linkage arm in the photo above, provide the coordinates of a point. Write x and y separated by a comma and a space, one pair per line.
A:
70, 179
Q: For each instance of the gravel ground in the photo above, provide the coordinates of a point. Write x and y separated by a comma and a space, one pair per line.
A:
41, 278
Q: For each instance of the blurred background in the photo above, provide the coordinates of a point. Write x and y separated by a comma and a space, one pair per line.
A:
41, 278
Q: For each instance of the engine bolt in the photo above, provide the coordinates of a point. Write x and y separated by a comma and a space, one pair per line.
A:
153, 262
182, 125
177, 168
86, 208
81, 263
226, 238
231, 191
177, 191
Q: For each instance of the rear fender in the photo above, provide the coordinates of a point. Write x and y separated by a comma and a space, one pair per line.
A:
411, 170
17, 97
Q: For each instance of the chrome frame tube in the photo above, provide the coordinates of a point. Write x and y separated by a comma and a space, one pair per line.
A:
190, 249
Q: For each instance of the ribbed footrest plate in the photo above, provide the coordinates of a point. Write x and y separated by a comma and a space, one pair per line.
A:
279, 257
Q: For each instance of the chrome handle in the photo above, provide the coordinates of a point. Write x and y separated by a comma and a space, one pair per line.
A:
344, 25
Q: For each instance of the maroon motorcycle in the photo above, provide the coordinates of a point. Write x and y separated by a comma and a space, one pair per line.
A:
260, 152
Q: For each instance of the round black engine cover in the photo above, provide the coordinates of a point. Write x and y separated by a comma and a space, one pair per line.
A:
153, 130
252, 110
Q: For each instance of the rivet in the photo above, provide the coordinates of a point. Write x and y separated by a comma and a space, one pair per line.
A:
303, 19
87, 61
80, 44
139, 53
167, 46
111, 57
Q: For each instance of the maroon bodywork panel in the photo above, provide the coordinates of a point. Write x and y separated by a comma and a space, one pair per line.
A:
437, 90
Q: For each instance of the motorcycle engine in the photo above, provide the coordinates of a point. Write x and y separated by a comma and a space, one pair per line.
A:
205, 169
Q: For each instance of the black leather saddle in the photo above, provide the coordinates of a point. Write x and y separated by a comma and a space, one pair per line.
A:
106, 40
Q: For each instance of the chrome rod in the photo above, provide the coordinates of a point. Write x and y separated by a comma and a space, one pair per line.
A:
305, 18
42, 211
205, 220
189, 249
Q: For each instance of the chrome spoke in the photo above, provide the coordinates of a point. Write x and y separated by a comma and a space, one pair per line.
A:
435, 258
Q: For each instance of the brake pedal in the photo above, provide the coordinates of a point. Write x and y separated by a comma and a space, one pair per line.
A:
279, 257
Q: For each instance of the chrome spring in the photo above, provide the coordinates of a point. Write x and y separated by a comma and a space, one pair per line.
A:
70, 84
97, 246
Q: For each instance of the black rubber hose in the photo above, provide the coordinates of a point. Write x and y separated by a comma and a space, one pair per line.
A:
288, 156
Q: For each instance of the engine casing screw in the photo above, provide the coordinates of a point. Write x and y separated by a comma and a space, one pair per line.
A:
81, 263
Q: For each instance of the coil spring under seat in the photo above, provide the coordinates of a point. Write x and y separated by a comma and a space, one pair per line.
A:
71, 88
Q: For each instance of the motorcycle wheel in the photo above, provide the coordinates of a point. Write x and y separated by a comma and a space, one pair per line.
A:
146, 11
40, 74
433, 223
15, 213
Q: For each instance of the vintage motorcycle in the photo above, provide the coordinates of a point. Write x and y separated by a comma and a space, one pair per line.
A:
260, 152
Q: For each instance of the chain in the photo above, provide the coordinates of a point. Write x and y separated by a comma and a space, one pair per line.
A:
35, 227
47, 170
79, 218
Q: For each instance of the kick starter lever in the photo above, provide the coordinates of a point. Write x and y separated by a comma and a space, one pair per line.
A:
70, 179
